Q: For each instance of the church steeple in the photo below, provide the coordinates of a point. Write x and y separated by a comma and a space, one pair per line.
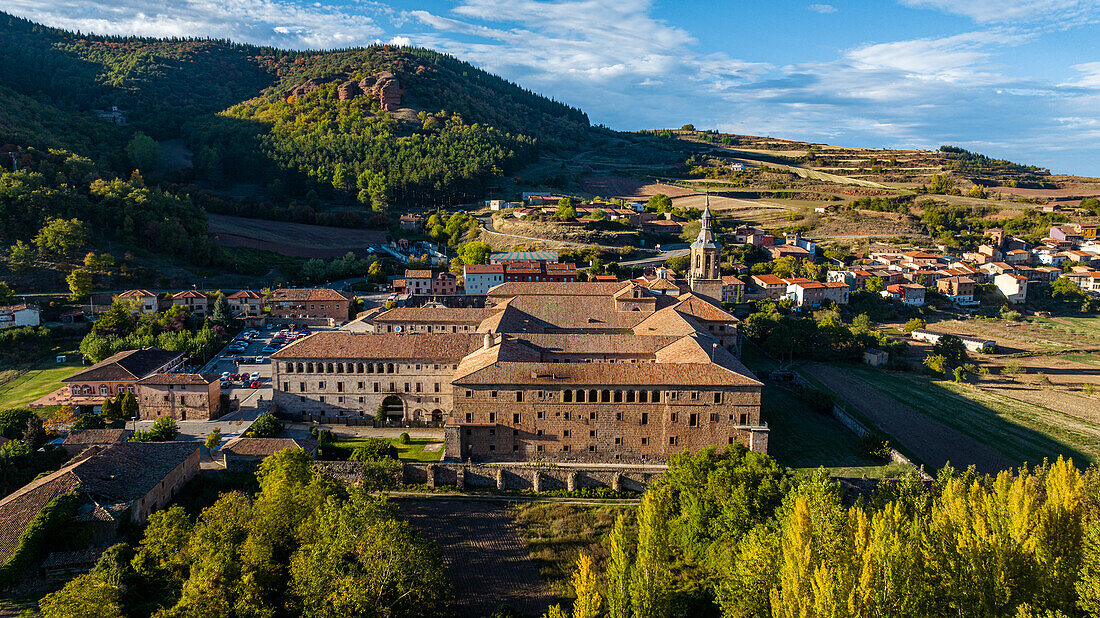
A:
705, 252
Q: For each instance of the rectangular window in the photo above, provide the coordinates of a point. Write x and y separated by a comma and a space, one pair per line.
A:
515, 419
322, 398
645, 441
538, 432
567, 396
592, 416
321, 386
286, 386
469, 417
339, 387
672, 417
492, 417
656, 397
538, 448
717, 397
301, 387
672, 440
565, 448
645, 418
714, 417
565, 433
693, 420
744, 419
642, 396
618, 441
591, 448
377, 387
591, 433
360, 386
538, 415
469, 394
519, 395
406, 387
436, 387
493, 394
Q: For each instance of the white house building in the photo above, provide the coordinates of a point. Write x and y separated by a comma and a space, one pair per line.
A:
15, 316
1012, 286
480, 278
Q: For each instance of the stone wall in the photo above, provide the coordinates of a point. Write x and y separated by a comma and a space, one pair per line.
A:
502, 477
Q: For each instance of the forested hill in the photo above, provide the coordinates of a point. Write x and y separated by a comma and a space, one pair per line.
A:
452, 129
340, 137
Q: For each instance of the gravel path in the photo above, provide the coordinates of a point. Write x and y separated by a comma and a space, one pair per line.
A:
930, 440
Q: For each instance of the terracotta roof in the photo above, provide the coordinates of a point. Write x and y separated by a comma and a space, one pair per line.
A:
179, 378
108, 478
190, 294
126, 365
19, 307
767, 280
136, 294
418, 274
540, 288
266, 446
483, 269
308, 294
422, 346
464, 315
620, 374
731, 280
97, 436
245, 294
694, 306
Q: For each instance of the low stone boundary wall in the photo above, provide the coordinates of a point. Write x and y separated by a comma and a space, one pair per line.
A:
500, 477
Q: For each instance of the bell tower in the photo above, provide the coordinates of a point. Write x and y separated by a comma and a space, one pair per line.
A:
704, 277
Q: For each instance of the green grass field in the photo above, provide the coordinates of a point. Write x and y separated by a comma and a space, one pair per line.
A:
413, 451
41, 379
1020, 430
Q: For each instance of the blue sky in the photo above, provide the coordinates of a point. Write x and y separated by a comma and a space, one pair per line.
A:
1018, 79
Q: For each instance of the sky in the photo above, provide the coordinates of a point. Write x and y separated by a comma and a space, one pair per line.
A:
1015, 79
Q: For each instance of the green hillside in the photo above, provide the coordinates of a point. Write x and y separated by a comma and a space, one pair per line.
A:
316, 156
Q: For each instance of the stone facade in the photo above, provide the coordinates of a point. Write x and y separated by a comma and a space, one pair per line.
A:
546, 371
182, 396
310, 303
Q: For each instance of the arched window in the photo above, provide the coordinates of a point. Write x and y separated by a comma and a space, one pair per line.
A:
290, 367
104, 389
329, 368
299, 369
309, 367
389, 368
339, 367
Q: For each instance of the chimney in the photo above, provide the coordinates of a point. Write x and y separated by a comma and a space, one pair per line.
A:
488, 340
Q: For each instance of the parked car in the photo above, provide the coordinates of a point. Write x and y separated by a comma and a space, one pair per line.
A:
255, 375
259, 359
225, 375
254, 384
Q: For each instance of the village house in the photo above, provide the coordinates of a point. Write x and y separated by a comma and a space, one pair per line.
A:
182, 396
911, 294
780, 251
959, 290
806, 294
1067, 233
245, 454
16, 316
733, 289
1013, 287
444, 284
919, 258
115, 485
418, 282
480, 278
771, 286
144, 302
836, 292
297, 303
411, 223
1017, 256
246, 305
198, 303
118, 374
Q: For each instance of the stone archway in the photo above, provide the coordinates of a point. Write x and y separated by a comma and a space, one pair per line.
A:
393, 409
437, 416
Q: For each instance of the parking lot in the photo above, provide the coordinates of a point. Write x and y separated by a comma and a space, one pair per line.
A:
250, 402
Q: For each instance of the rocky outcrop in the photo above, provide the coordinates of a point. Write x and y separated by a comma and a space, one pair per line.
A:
383, 87
304, 88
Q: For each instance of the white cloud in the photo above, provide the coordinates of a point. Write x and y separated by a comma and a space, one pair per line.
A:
1016, 11
824, 9
1090, 76
402, 41
282, 23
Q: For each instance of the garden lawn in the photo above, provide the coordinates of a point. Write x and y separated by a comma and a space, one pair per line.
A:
413, 451
42, 378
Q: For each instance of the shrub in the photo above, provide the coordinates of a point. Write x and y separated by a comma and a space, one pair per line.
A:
936, 363
1013, 368
403, 438
265, 426
875, 445
374, 449
381, 474
214, 439
913, 324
